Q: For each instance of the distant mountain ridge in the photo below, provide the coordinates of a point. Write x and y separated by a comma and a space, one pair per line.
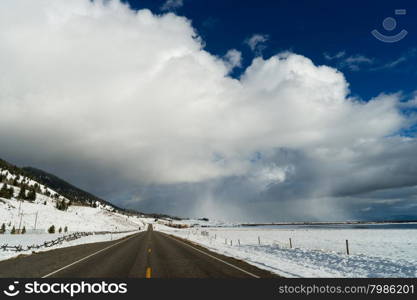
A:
63, 187
69, 191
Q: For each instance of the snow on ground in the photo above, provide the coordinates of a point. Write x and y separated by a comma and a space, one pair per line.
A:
37, 216
29, 239
76, 218
315, 252
42, 213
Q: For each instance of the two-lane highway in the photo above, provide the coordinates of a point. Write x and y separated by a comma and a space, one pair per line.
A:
149, 254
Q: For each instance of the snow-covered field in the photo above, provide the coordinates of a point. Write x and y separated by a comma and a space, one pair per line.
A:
30, 239
315, 252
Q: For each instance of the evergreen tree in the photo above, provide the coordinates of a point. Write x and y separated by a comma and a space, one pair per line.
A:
22, 193
24, 230
13, 231
11, 192
61, 205
31, 195
37, 188
3, 228
65, 229
4, 192
51, 229
60, 229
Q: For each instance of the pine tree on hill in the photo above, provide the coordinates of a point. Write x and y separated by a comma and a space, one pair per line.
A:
61, 205
37, 188
31, 195
4, 191
22, 193
51, 229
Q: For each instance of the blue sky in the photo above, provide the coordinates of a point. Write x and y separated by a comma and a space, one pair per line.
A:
315, 29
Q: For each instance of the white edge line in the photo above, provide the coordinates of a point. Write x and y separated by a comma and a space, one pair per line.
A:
225, 262
84, 258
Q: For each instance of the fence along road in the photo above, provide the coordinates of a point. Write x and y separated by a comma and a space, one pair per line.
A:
59, 240
149, 254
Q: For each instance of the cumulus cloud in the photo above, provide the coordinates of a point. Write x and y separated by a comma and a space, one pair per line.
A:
129, 105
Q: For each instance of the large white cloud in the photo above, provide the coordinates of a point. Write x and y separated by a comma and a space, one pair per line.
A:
135, 94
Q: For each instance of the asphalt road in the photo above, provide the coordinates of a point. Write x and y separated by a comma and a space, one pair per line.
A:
149, 254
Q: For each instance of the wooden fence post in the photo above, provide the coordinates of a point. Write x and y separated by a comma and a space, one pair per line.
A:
259, 240
347, 247
290, 243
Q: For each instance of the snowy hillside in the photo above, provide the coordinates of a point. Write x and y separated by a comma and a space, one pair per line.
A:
31, 208
38, 215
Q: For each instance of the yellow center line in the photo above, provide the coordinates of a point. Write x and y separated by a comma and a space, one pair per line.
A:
148, 272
